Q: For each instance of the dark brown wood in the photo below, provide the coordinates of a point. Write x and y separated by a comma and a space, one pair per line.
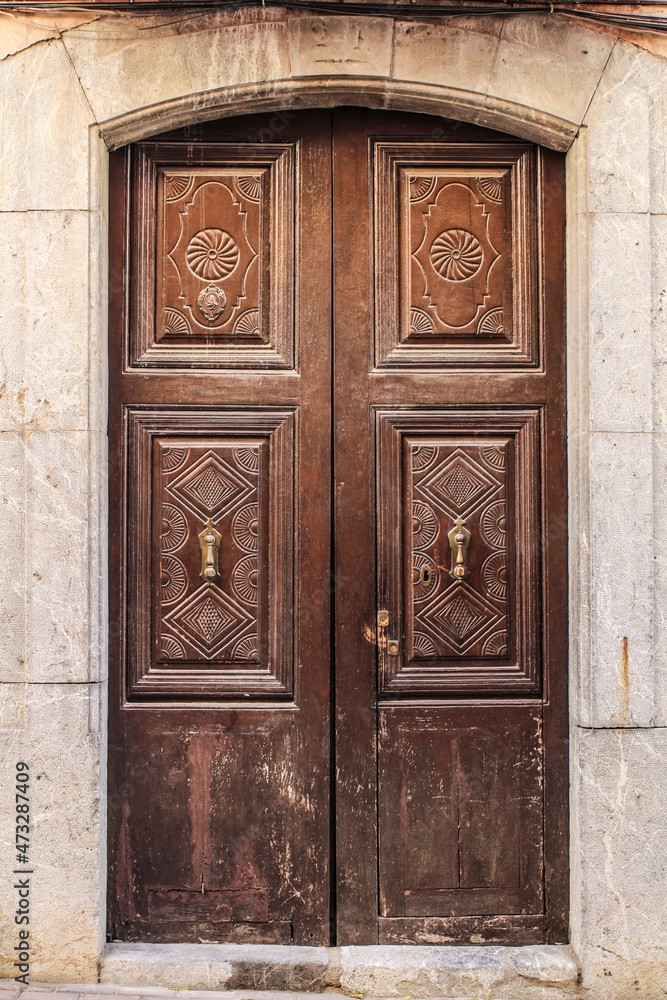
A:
479, 633
361, 314
209, 296
219, 742
455, 235
444, 249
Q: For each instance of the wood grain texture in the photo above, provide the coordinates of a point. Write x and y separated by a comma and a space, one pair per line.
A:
219, 757
191, 638
214, 252
480, 466
462, 765
333, 337
455, 232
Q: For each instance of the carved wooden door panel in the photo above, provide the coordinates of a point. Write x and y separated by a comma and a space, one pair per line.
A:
451, 653
219, 429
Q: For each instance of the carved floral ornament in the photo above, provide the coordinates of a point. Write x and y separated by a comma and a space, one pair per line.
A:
211, 235
452, 254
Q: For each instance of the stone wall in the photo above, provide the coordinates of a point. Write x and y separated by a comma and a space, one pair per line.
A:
72, 87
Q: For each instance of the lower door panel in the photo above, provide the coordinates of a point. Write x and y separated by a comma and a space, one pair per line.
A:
460, 792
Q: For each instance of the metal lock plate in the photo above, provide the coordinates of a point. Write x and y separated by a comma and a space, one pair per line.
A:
383, 619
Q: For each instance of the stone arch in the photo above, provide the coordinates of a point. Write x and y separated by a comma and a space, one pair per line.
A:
530, 76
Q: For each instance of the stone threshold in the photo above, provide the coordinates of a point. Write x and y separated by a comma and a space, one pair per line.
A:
532, 972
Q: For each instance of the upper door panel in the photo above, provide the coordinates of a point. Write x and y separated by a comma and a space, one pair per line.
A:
455, 234
215, 289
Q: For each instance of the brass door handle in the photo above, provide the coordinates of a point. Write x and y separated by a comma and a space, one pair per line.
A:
459, 540
209, 542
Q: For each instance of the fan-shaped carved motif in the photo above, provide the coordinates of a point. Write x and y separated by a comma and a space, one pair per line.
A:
173, 458
493, 456
493, 523
491, 188
212, 254
421, 187
424, 525
456, 255
491, 324
174, 527
176, 186
494, 575
249, 187
171, 648
173, 578
423, 646
421, 324
244, 579
175, 324
422, 456
495, 645
245, 527
247, 458
421, 592
247, 325
246, 648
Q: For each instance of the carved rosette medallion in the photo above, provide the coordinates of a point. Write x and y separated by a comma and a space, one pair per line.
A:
217, 620
448, 480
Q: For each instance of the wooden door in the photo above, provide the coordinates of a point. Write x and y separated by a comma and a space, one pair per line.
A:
220, 428
337, 489
449, 422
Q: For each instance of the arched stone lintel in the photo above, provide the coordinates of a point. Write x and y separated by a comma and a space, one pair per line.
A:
326, 91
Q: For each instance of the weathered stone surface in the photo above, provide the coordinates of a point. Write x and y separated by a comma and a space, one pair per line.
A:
13, 318
131, 63
64, 758
530, 973
357, 46
550, 64
660, 579
658, 225
12, 575
446, 55
45, 120
619, 887
56, 336
18, 33
620, 322
57, 561
622, 670
215, 967
619, 143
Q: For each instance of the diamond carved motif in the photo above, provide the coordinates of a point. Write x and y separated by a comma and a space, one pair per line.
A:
460, 617
212, 487
459, 485
209, 620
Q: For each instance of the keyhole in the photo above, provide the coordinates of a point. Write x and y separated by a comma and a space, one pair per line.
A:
426, 576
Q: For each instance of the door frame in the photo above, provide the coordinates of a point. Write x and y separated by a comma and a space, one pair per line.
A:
558, 923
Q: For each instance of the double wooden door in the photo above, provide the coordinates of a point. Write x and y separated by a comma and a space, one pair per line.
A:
338, 534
